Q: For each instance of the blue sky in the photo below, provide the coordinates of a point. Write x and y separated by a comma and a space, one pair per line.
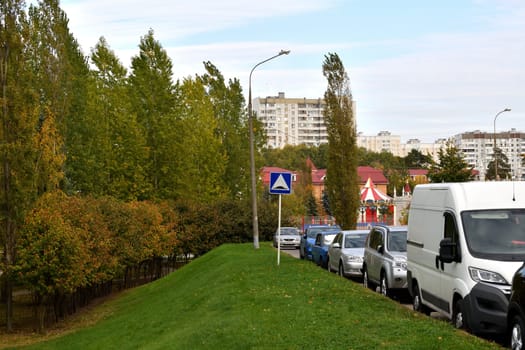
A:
419, 69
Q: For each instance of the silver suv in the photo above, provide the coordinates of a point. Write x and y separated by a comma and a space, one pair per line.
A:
385, 259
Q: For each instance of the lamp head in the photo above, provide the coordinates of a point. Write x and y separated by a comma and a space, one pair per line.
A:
284, 52
507, 110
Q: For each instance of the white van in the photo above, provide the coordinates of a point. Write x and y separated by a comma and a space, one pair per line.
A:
464, 243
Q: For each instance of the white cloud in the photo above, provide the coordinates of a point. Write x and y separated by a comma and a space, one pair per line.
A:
423, 85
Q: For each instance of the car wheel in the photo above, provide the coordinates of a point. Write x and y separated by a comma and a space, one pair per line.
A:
328, 264
459, 317
366, 281
301, 255
417, 305
516, 333
383, 287
341, 270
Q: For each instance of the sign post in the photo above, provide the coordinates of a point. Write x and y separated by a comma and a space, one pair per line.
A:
280, 183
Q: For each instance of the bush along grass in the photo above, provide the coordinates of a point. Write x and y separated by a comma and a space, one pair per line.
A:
236, 297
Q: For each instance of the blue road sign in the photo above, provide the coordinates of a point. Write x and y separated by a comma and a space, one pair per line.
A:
280, 183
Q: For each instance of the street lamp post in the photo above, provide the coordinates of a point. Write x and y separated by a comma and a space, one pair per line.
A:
252, 152
496, 176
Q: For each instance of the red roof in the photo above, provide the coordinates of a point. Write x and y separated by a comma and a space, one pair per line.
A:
417, 172
318, 175
370, 193
265, 173
376, 175
364, 173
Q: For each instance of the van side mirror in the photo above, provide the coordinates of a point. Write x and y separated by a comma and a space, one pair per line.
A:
447, 250
381, 249
336, 245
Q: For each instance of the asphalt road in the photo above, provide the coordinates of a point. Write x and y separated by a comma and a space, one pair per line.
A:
292, 252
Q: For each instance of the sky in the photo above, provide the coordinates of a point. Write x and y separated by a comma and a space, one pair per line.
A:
420, 69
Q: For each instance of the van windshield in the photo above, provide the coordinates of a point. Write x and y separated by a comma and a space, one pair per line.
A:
495, 234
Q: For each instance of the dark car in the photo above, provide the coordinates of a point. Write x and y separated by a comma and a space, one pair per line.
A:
321, 245
516, 310
308, 238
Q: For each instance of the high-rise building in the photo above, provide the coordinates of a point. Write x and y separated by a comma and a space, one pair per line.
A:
384, 141
291, 121
295, 121
478, 150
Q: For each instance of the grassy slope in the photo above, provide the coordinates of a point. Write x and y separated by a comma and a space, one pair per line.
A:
236, 297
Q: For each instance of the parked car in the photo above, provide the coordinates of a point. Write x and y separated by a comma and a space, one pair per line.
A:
308, 238
345, 254
516, 311
385, 259
290, 237
320, 247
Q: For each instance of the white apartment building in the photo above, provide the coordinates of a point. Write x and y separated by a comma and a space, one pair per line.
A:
291, 121
385, 141
478, 149
295, 121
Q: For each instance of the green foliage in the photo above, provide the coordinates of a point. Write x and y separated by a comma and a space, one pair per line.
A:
311, 205
393, 167
153, 98
227, 103
237, 298
504, 169
417, 160
451, 167
200, 159
52, 257
342, 183
109, 154
69, 243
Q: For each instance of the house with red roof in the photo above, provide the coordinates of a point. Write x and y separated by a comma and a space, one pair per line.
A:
319, 176
418, 175
265, 174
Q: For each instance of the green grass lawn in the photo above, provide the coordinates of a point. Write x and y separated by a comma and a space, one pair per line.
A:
236, 297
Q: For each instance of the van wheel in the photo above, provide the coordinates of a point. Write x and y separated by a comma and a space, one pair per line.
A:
459, 317
417, 304
516, 333
366, 281
383, 287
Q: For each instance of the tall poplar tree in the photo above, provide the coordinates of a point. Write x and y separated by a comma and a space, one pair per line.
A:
60, 73
109, 153
342, 183
30, 146
199, 171
232, 127
153, 99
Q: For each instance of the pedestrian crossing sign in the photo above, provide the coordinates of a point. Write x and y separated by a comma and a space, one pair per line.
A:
280, 183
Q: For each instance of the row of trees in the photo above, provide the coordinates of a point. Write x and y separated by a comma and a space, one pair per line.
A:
73, 248
87, 126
